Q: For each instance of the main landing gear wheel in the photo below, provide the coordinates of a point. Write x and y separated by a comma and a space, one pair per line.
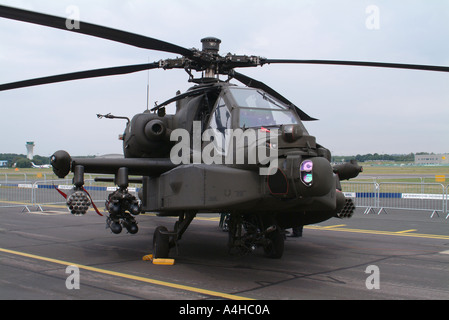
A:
161, 243
164, 240
275, 247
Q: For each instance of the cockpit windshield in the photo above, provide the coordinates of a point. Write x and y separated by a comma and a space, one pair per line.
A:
258, 109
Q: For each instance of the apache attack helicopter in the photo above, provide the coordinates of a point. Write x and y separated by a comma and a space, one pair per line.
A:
188, 162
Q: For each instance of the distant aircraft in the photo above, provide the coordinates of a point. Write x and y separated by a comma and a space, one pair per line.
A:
44, 166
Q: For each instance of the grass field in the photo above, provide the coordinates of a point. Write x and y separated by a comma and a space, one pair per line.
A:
23, 171
404, 170
411, 173
28, 175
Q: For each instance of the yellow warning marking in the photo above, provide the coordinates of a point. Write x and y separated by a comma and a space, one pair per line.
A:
164, 262
147, 257
159, 261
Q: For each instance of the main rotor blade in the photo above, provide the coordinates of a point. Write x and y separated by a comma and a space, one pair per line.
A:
93, 30
253, 83
79, 75
360, 63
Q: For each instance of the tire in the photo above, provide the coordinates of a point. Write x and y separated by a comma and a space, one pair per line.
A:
161, 243
275, 248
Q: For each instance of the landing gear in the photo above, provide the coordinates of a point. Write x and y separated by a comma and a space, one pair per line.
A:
164, 240
275, 246
248, 232
161, 243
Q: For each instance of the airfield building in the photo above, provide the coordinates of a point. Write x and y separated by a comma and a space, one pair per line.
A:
30, 149
432, 159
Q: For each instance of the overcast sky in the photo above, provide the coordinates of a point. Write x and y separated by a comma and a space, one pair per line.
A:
361, 110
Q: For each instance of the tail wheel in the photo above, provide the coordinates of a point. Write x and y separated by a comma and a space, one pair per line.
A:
161, 243
275, 247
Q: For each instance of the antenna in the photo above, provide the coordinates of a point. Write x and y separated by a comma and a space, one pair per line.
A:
148, 86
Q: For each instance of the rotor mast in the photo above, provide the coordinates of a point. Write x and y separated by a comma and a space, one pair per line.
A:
211, 46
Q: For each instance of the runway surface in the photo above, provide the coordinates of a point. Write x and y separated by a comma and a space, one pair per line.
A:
399, 255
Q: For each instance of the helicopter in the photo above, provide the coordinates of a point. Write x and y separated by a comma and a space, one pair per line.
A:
240, 151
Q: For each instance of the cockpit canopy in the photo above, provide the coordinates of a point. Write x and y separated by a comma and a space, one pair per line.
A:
245, 108
258, 109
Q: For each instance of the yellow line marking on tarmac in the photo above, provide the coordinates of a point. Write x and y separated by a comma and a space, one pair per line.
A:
335, 226
389, 233
22, 203
207, 219
129, 276
406, 231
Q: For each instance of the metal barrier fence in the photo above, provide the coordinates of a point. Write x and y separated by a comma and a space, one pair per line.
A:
373, 196
380, 196
447, 201
42, 193
31, 177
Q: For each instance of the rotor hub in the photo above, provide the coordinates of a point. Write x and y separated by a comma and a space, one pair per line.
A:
211, 44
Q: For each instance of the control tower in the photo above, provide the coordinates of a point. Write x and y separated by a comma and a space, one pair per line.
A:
30, 149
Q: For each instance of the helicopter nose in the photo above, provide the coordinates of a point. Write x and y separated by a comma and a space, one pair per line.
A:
315, 177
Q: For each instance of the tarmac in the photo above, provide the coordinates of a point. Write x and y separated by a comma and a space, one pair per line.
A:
396, 256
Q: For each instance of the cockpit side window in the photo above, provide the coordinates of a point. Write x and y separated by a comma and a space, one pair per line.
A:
221, 122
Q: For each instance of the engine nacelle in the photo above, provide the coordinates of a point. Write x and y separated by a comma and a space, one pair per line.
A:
348, 170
